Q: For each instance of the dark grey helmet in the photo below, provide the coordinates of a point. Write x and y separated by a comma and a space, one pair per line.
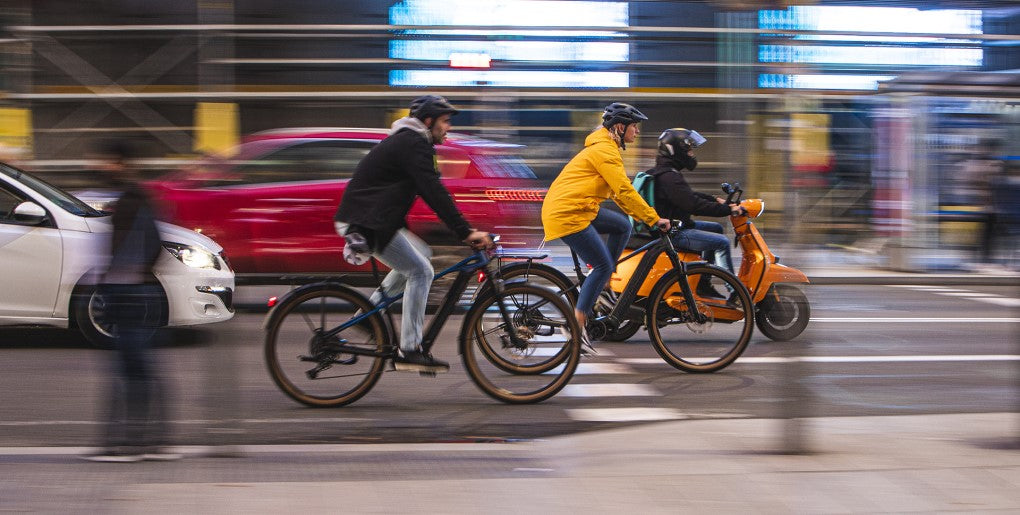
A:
431, 106
676, 142
618, 112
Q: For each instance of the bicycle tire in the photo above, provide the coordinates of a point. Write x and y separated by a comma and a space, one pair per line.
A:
294, 327
539, 274
531, 386
711, 345
548, 277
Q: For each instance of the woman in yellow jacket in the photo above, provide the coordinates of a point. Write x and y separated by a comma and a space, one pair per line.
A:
571, 207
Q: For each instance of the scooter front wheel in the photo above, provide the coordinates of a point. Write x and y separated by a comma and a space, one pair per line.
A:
784, 313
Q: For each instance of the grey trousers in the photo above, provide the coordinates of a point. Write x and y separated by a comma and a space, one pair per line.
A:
411, 272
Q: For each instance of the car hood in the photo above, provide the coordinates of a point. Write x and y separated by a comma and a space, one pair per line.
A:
167, 232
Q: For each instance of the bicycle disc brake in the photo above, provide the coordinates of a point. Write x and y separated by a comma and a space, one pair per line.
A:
519, 352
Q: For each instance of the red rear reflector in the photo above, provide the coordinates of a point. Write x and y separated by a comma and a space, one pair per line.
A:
481, 275
271, 302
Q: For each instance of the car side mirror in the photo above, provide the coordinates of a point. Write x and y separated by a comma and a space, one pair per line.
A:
29, 213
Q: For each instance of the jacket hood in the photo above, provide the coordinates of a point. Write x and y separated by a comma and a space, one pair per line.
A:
416, 125
600, 135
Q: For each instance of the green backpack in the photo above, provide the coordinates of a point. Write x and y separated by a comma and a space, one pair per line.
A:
644, 183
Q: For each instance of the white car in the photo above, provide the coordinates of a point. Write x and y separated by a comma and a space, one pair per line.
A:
52, 246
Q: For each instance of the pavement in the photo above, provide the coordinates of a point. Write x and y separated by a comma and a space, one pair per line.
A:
942, 463
897, 464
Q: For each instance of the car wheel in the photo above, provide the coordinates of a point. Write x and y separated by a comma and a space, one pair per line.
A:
87, 309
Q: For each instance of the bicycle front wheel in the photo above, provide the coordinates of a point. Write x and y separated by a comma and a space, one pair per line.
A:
709, 342
546, 353
319, 370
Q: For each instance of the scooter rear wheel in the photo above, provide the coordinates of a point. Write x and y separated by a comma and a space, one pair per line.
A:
784, 313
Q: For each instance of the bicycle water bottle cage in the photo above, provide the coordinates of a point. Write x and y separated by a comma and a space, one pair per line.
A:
356, 249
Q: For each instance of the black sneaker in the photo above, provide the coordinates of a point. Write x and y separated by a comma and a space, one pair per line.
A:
113, 456
418, 361
707, 291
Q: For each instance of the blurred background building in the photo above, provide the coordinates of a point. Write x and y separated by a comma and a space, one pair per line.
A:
853, 120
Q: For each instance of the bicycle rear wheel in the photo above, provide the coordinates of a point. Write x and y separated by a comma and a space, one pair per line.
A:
708, 345
549, 350
314, 369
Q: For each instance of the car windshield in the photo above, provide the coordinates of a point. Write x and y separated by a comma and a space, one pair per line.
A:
499, 165
65, 200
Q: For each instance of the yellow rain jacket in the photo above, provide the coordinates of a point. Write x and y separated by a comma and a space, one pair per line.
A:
593, 175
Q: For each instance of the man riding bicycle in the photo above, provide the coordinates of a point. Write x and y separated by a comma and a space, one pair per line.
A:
373, 211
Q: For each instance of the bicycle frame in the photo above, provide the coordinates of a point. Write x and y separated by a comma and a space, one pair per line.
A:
464, 269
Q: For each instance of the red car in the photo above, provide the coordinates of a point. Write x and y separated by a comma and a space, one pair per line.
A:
271, 206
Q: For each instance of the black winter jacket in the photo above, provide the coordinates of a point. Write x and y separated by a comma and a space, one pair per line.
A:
388, 180
674, 198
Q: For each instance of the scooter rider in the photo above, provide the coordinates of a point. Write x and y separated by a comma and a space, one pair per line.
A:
373, 211
675, 200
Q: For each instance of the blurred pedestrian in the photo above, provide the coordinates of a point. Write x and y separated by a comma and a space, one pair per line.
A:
983, 175
132, 308
571, 211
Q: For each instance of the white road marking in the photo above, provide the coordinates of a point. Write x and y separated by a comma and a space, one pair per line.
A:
332, 420
871, 320
624, 414
609, 390
964, 294
1001, 301
845, 359
595, 368
199, 450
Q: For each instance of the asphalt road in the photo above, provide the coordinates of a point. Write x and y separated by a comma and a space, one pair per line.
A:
870, 350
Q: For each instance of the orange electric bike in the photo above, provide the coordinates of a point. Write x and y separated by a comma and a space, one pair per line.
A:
781, 310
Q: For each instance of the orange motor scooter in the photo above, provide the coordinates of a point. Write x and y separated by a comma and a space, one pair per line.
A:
782, 310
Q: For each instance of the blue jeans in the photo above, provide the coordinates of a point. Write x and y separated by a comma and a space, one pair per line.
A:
588, 246
710, 240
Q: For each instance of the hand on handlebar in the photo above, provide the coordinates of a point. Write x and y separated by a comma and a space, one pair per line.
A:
737, 210
479, 240
663, 224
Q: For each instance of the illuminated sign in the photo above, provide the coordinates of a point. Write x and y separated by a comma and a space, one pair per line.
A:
515, 18
908, 35
510, 79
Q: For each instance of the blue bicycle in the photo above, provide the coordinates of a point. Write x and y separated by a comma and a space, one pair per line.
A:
327, 344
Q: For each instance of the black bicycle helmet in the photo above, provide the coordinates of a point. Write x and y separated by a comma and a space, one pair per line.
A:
618, 112
676, 142
431, 106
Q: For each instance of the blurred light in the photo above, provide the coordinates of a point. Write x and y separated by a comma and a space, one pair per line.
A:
515, 195
469, 60
899, 20
871, 55
518, 79
520, 18
514, 50
826, 81
520, 13
271, 302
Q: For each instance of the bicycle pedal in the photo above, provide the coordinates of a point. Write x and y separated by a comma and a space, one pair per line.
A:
425, 373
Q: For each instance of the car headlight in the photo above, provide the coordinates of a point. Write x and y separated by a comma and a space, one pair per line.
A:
195, 257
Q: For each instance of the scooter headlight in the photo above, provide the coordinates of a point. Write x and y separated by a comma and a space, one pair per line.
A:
195, 257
